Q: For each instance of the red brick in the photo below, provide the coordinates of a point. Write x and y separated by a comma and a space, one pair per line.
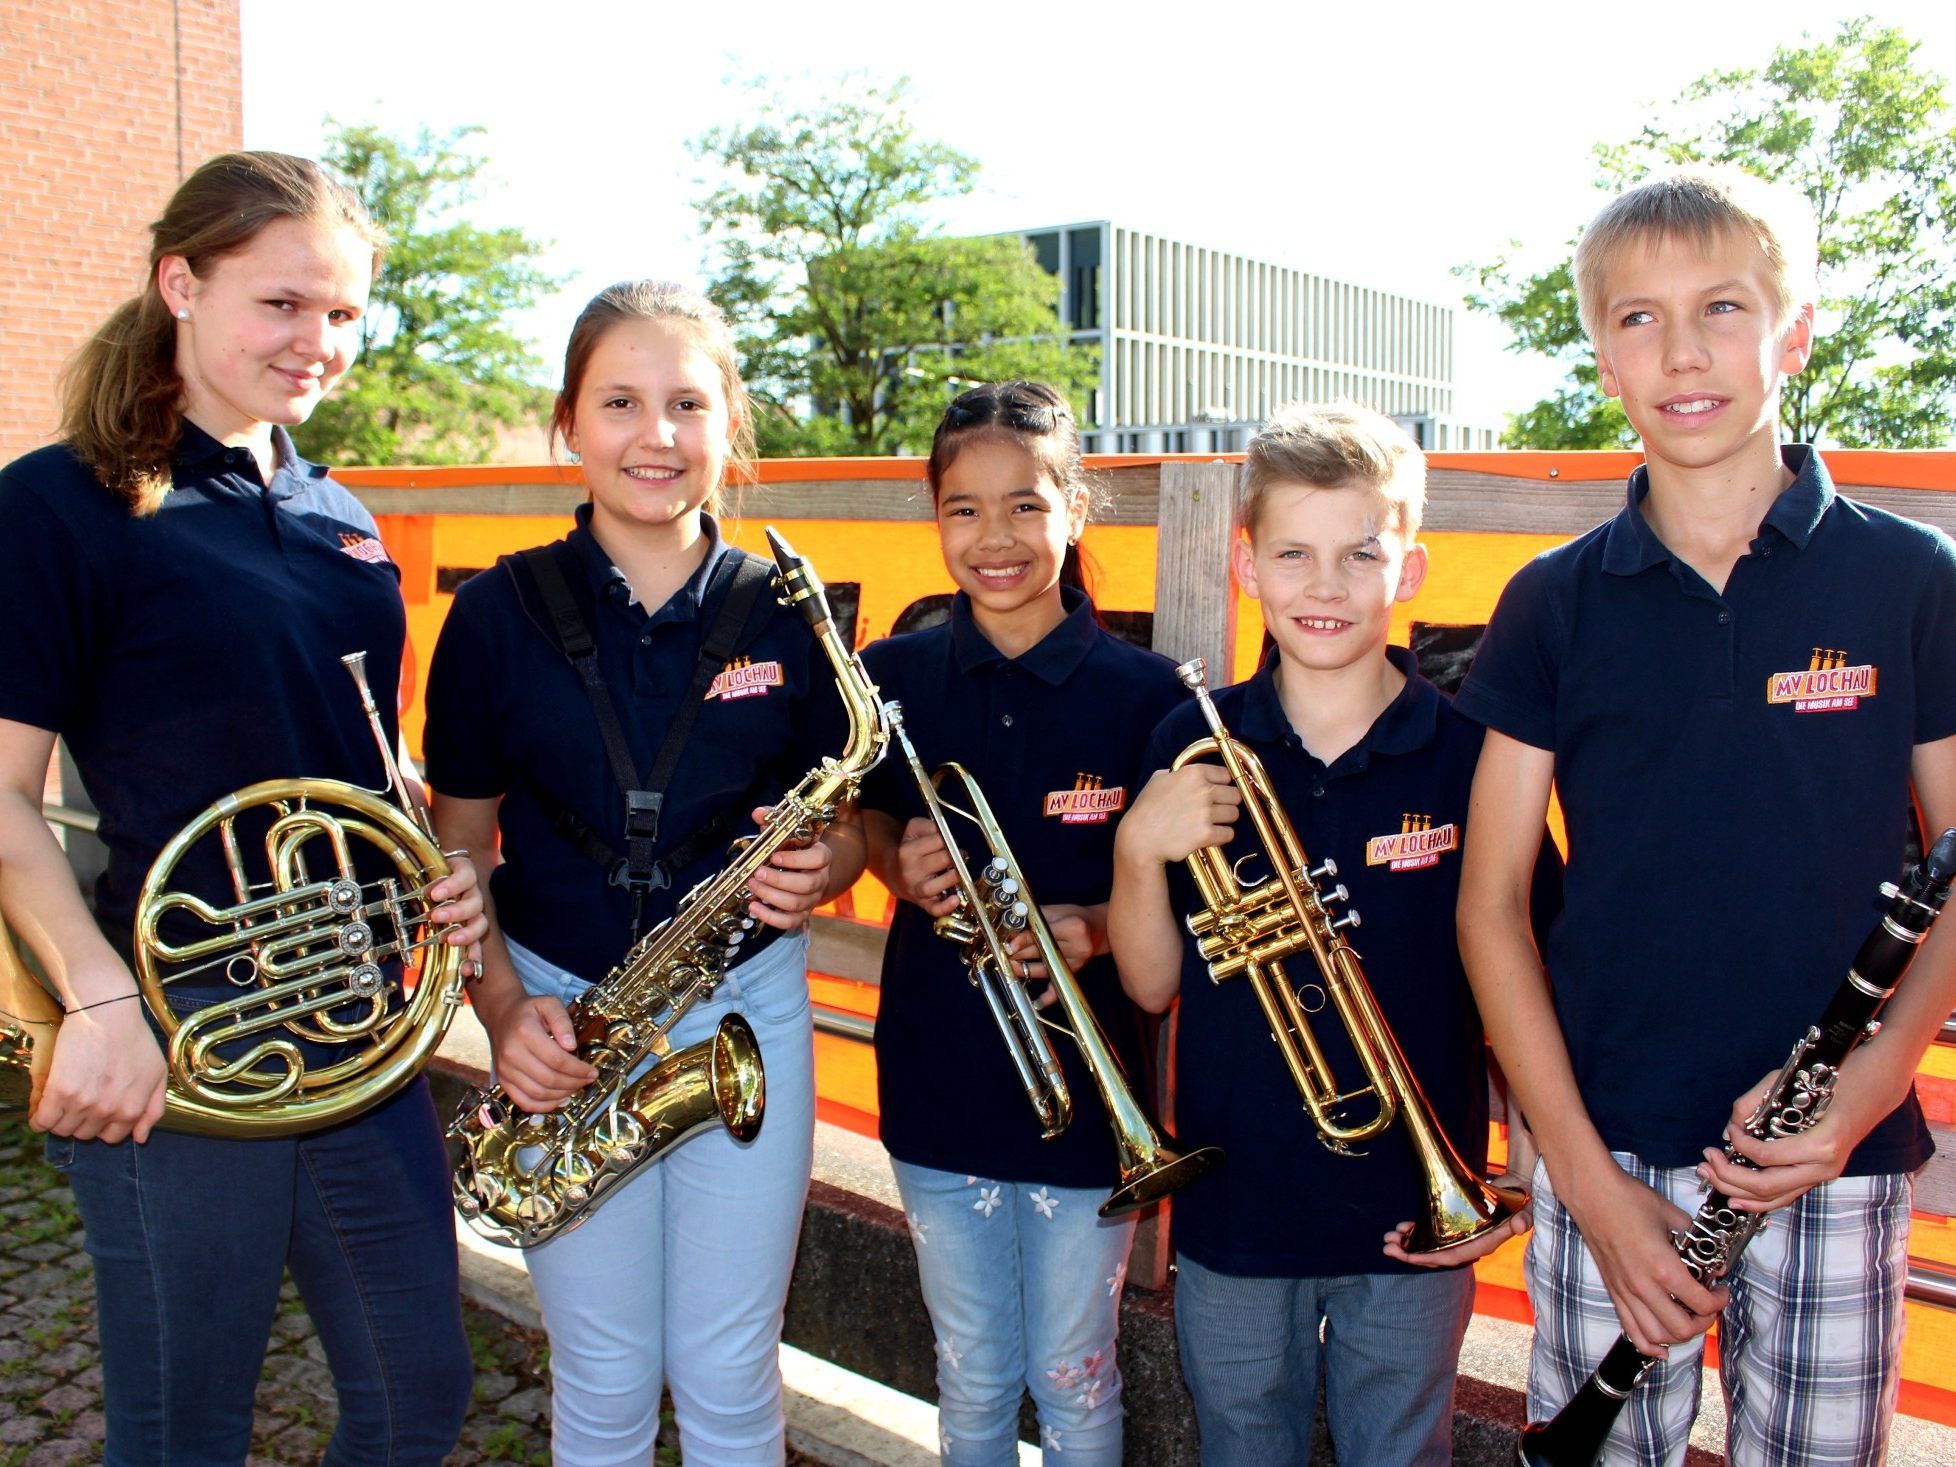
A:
80, 183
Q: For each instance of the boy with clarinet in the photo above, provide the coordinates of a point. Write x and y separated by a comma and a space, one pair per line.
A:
1732, 686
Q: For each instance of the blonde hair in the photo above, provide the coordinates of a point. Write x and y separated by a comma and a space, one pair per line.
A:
663, 301
121, 395
1702, 204
1337, 445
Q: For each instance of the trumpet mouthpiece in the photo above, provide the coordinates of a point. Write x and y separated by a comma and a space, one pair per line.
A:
1193, 673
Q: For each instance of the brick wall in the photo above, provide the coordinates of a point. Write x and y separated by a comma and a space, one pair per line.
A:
103, 109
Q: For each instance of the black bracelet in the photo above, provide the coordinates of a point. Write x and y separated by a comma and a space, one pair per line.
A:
84, 1008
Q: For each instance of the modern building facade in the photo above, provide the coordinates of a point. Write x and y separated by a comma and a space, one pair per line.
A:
1197, 346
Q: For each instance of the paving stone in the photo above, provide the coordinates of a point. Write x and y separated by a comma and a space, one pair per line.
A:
69, 1358
69, 1398
529, 1405
493, 1385
60, 1453
18, 1430
40, 1252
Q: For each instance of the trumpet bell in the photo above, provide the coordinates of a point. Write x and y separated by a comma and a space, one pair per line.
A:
1167, 1171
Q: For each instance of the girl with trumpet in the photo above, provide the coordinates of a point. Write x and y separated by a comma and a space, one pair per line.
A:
175, 585
1047, 711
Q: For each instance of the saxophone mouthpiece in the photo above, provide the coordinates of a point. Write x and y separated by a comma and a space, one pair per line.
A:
800, 587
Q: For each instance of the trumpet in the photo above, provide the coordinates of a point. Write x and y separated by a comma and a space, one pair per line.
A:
993, 908
306, 955
1250, 932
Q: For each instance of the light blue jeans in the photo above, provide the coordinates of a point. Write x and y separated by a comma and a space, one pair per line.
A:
1023, 1283
1387, 1343
682, 1275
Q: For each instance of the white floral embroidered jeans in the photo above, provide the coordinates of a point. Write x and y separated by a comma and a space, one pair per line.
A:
1023, 1282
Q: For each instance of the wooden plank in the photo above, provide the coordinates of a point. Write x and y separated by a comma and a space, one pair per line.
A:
1462, 500
845, 949
1195, 597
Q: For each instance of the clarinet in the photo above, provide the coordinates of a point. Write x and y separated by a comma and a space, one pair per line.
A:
1795, 1102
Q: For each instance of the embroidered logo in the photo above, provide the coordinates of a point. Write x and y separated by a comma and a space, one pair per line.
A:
1418, 843
744, 678
1089, 802
1826, 686
364, 547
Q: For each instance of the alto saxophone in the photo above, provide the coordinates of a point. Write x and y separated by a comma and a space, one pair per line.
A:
522, 1179
311, 952
1793, 1103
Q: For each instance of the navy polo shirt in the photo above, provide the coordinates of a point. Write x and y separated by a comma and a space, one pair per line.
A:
507, 716
1053, 738
1734, 769
1392, 812
187, 653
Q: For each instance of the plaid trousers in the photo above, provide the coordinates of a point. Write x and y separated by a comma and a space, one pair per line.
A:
1809, 1346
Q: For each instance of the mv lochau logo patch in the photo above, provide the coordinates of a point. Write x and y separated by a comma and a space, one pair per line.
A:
364, 547
1828, 684
1418, 843
744, 678
1089, 802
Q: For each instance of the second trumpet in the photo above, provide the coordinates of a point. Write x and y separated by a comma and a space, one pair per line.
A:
994, 907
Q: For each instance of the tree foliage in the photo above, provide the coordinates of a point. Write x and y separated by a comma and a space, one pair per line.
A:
844, 302
1866, 135
440, 368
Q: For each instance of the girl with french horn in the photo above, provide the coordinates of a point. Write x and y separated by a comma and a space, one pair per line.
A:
608, 805
176, 585
1048, 711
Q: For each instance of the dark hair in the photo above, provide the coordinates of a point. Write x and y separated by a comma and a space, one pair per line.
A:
1032, 415
121, 395
663, 301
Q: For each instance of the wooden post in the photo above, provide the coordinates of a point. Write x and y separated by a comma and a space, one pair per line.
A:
1195, 598
1195, 616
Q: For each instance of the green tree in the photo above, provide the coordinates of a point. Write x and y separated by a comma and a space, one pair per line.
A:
1866, 135
844, 301
440, 369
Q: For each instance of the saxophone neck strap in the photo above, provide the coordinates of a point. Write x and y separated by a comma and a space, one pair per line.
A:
735, 585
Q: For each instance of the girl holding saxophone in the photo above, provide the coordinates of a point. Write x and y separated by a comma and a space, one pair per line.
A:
608, 804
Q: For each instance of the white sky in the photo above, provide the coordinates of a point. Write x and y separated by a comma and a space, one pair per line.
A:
1381, 143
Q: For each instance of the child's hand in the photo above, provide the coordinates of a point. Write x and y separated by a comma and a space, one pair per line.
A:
535, 1054
1791, 1165
1628, 1228
790, 885
924, 876
1486, 1243
1076, 936
1179, 812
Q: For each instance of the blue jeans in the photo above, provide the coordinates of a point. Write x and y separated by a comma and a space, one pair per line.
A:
191, 1235
1023, 1283
683, 1273
1387, 1343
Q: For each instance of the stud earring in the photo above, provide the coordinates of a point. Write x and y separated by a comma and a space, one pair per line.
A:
183, 313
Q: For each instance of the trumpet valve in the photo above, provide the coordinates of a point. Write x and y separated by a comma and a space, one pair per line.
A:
1350, 919
1324, 872
1015, 917
1336, 894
